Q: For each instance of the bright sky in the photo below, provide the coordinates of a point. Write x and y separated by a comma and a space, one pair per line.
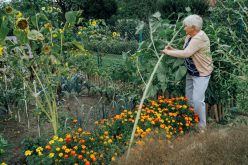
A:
4, 1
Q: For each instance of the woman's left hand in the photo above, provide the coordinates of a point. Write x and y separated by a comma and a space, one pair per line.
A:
164, 51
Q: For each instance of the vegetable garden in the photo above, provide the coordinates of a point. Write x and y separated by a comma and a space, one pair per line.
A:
78, 89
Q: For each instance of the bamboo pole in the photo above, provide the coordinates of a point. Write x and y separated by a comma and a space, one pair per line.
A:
18, 115
26, 105
206, 110
6, 88
220, 112
223, 110
215, 109
38, 117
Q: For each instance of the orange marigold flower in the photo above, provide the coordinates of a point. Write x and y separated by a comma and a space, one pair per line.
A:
66, 156
80, 129
73, 152
48, 147
80, 156
68, 140
178, 106
82, 141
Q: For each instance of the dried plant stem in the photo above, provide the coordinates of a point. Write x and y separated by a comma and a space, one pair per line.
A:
50, 101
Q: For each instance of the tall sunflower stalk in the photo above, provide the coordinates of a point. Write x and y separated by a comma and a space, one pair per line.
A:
148, 84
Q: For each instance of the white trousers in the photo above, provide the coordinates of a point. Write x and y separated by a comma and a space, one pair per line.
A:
195, 92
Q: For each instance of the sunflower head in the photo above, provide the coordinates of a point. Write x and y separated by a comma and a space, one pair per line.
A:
46, 49
49, 9
93, 23
18, 14
22, 23
1, 51
8, 9
49, 26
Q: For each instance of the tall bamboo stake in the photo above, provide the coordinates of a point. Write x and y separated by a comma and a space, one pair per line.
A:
38, 118
18, 115
25, 103
6, 88
216, 112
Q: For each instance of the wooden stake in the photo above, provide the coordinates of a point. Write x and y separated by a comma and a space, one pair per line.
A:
206, 110
222, 110
216, 113
219, 111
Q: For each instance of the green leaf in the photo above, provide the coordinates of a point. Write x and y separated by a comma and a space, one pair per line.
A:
78, 45
180, 73
21, 36
140, 27
71, 16
161, 74
152, 90
38, 17
161, 77
157, 15
163, 86
177, 63
4, 30
35, 35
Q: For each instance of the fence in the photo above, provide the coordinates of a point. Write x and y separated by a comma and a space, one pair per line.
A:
117, 39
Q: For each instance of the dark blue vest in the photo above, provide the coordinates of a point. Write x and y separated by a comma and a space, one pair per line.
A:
191, 68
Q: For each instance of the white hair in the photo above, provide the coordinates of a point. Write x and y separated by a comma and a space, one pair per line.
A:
193, 20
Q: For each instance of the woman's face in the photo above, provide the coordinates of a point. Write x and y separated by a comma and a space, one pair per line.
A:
190, 30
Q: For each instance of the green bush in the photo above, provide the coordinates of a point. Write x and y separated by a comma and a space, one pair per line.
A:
112, 46
3, 145
173, 7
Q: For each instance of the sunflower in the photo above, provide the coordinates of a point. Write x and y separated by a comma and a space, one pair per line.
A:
1, 51
48, 26
46, 49
93, 23
55, 35
18, 14
22, 23
8, 9
49, 9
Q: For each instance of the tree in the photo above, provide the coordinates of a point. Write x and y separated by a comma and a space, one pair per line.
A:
140, 9
99, 9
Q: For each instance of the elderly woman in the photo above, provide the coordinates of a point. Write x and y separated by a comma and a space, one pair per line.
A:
199, 64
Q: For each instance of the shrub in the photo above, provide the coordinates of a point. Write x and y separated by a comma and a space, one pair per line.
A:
3, 145
173, 7
112, 46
